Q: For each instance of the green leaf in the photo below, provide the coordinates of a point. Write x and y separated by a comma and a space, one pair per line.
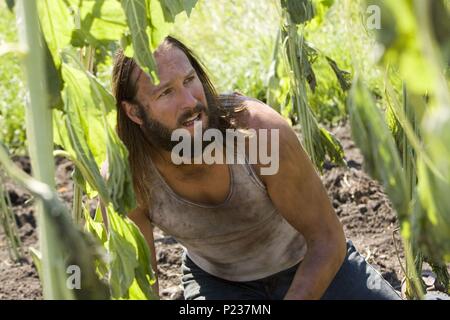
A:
381, 158
143, 250
136, 16
92, 138
172, 8
122, 265
120, 184
94, 227
144, 274
159, 27
343, 77
103, 20
54, 79
133, 255
84, 128
57, 25
331, 147
101, 23
123, 254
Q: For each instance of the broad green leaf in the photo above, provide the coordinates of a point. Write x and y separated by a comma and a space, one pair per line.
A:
84, 127
144, 253
144, 274
189, 5
100, 23
104, 20
331, 147
134, 256
57, 25
120, 184
54, 79
123, 254
172, 8
96, 228
135, 292
88, 117
381, 158
136, 16
159, 28
122, 265
343, 77
81, 108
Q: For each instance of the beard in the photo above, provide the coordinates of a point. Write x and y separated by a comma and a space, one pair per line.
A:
159, 135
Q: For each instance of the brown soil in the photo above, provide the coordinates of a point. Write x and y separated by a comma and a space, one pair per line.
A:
359, 201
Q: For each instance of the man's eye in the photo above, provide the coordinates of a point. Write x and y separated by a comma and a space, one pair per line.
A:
165, 92
189, 79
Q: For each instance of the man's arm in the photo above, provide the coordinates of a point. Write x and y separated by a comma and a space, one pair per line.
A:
300, 197
140, 218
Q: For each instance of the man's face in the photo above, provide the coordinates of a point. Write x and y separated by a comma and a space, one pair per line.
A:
176, 102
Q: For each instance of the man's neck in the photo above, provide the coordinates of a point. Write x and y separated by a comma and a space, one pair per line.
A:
164, 162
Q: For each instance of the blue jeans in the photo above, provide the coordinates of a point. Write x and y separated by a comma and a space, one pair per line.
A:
355, 280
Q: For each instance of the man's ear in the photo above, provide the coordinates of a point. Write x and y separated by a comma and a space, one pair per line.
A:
132, 112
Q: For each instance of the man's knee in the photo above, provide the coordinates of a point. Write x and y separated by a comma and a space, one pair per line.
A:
356, 279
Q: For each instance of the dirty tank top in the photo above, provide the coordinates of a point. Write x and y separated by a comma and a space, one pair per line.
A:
242, 239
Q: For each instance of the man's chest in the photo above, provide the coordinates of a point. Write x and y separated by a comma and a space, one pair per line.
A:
210, 189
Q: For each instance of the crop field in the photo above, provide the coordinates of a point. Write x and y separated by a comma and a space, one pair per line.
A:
363, 83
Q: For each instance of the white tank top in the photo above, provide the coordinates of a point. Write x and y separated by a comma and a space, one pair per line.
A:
242, 239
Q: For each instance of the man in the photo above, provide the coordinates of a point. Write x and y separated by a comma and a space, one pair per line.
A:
247, 235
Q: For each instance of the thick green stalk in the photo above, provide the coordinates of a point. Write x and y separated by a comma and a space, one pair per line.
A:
39, 129
299, 88
414, 287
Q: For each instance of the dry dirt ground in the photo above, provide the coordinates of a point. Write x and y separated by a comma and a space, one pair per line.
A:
359, 201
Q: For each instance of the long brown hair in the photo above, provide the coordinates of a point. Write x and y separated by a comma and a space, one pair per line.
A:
125, 89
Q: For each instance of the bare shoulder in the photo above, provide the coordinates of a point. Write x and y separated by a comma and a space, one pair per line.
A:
259, 115
282, 141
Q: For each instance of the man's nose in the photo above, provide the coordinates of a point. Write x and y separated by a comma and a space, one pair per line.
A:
187, 100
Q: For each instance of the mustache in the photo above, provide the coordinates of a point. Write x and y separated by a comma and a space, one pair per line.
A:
189, 113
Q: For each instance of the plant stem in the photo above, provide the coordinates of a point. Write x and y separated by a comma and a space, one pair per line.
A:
77, 203
9, 224
39, 130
